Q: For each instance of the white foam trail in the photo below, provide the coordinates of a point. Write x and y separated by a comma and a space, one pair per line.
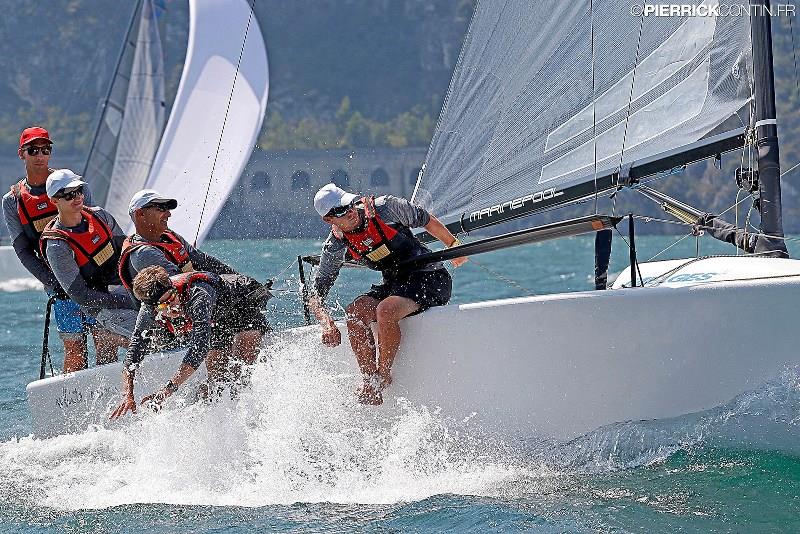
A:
296, 435
15, 285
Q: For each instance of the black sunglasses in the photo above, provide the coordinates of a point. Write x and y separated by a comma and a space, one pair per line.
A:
339, 211
160, 207
34, 150
72, 195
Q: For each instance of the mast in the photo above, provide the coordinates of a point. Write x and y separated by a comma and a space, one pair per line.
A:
766, 129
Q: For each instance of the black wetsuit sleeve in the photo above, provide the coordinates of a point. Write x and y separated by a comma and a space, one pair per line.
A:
729, 233
145, 323
200, 309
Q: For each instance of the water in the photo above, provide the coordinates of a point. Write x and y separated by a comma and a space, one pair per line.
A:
295, 453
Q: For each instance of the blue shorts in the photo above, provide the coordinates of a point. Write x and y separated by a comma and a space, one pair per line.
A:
70, 319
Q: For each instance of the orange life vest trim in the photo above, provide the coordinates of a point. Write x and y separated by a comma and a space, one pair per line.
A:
372, 241
34, 211
94, 245
170, 245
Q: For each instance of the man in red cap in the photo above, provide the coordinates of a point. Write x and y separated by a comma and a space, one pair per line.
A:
27, 210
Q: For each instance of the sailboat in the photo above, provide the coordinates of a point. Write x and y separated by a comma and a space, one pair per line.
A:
214, 122
551, 104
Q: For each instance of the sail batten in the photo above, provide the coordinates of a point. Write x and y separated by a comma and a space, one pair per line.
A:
538, 101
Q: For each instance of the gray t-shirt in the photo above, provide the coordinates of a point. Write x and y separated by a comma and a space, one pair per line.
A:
392, 210
28, 250
65, 268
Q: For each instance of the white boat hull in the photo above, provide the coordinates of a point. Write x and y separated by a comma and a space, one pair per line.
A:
555, 366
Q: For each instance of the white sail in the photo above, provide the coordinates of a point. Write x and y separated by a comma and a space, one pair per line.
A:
217, 114
552, 94
143, 118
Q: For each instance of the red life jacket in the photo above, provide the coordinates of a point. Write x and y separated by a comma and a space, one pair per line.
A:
182, 283
94, 249
378, 245
170, 245
34, 211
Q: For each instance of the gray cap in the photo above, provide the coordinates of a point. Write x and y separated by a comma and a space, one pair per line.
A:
331, 196
60, 180
150, 196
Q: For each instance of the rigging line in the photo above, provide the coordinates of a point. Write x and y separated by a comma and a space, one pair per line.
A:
681, 223
622, 236
225, 119
790, 169
502, 278
633, 84
669, 247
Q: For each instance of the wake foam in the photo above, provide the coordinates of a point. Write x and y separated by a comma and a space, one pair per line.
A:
15, 285
296, 435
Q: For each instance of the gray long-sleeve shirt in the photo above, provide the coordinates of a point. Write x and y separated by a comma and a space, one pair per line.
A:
27, 250
200, 306
66, 270
392, 210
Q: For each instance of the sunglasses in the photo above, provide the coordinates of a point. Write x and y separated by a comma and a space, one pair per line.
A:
72, 195
160, 207
35, 150
339, 211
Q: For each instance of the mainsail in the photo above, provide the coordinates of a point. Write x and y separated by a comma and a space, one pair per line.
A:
133, 117
548, 96
217, 114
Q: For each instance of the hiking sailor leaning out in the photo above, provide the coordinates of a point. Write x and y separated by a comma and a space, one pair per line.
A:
154, 243
209, 309
26, 210
82, 246
376, 233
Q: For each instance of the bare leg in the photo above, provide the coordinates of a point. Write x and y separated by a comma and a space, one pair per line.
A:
246, 345
107, 344
360, 313
74, 355
216, 364
388, 314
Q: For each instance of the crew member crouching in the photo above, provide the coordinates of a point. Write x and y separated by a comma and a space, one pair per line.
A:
377, 233
208, 309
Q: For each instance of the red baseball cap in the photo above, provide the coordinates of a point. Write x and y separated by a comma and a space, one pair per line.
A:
32, 134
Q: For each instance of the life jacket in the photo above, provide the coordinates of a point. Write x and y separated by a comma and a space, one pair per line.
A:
170, 245
94, 249
34, 211
378, 245
182, 325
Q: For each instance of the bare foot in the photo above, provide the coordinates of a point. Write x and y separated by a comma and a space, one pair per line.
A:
370, 395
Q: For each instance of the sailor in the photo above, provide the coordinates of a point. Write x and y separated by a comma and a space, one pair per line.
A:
26, 210
154, 243
82, 246
208, 308
376, 232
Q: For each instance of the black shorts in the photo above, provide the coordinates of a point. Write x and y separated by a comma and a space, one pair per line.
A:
426, 288
235, 313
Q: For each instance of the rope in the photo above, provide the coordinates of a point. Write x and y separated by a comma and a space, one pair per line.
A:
630, 94
502, 278
224, 121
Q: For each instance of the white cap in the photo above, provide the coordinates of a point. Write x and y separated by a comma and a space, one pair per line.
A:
60, 180
331, 196
150, 196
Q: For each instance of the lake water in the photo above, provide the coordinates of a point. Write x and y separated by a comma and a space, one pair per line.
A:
284, 458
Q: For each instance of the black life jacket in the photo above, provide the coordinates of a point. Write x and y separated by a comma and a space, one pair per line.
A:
34, 211
380, 245
94, 249
170, 245
182, 324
